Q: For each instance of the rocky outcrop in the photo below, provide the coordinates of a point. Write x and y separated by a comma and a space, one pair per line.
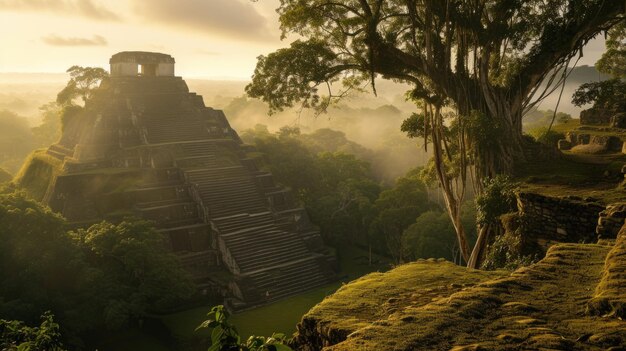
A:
611, 220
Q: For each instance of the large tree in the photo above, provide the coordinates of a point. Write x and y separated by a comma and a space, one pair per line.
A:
478, 63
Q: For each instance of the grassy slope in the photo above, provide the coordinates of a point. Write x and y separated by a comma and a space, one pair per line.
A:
541, 306
379, 298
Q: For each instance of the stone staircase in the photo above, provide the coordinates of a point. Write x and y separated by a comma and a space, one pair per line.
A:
59, 151
172, 127
271, 260
290, 279
226, 191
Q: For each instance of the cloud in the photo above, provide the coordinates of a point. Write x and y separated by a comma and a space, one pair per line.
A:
55, 40
235, 18
85, 8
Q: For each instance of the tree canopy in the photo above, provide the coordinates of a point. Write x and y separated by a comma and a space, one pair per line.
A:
82, 82
476, 65
104, 276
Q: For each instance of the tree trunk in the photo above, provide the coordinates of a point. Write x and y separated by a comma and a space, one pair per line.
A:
479, 248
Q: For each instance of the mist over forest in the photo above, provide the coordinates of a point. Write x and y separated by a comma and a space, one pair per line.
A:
372, 121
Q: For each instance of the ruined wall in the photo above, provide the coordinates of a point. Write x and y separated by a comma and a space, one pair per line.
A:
552, 219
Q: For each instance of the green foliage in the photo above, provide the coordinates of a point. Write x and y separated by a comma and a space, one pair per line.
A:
139, 273
485, 131
15, 335
34, 248
341, 195
613, 61
497, 198
83, 81
508, 250
103, 277
396, 209
337, 189
432, 235
295, 74
483, 60
415, 126
224, 335
608, 95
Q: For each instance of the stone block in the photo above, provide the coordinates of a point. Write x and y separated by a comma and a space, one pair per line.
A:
583, 139
607, 142
564, 144
572, 138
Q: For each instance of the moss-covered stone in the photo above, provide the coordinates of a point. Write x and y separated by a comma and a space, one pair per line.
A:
537, 307
610, 294
378, 299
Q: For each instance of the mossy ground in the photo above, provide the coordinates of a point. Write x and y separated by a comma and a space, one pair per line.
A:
379, 296
542, 306
610, 295
596, 176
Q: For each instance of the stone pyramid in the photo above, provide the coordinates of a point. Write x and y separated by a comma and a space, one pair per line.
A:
147, 147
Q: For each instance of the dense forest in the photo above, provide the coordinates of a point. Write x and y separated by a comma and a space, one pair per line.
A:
400, 172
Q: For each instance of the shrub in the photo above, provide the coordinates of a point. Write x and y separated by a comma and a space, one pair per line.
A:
509, 250
224, 335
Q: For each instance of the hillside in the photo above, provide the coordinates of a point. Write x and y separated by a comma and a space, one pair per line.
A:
573, 299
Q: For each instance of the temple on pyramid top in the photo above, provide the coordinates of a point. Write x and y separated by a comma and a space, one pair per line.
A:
141, 63
149, 148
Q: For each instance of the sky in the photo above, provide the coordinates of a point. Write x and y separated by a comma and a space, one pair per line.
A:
217, 39
211, 39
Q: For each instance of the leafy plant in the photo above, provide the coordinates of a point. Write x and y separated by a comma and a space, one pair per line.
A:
508, 250
225, 337
609, 94
15, 335
498, 198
